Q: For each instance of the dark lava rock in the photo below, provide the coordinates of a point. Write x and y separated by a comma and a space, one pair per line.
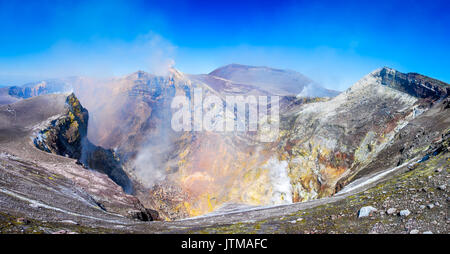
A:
145, 215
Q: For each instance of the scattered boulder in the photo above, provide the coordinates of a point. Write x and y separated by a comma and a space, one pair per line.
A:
414, 232
441, 187
391, 211
366, 211
404, 213
430, 206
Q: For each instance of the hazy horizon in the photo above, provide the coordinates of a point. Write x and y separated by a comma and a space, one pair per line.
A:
334, 43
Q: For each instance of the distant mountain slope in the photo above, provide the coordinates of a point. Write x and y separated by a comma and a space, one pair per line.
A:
233, 79
228, 87
328, 143
5, 98
274, 81
11, 94
41, 87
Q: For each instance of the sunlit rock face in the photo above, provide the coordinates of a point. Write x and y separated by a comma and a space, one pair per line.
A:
331, 141
215, 169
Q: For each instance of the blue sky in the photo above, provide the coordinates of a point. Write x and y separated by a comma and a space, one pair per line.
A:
333, 42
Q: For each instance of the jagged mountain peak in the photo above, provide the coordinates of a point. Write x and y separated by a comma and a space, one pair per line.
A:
414, 84
382, 70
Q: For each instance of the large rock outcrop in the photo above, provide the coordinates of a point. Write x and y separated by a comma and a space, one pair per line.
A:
66, 135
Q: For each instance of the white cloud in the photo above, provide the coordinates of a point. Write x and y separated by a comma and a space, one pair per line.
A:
98, 58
